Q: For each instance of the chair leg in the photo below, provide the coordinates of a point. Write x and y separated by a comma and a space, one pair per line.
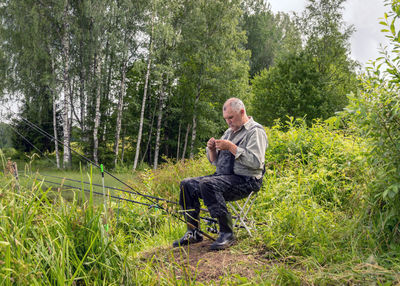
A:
242, 211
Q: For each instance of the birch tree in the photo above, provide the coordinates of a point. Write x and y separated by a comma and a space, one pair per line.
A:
214, 64
128, 26
159, 120
66, 86
139, 138
97, 110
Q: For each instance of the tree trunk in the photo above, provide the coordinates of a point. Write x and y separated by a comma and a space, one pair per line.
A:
179, 140
139, 139
66, 89
119, 111
186, 141
194, 123
55, 131
53, 91
123, 146
97, 112
150, 134
159, 119
82, 99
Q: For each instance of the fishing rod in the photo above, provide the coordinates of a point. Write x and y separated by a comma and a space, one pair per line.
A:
98, 193
30, 143
207, 219
46, 134
109, 187
122, 190
126, 191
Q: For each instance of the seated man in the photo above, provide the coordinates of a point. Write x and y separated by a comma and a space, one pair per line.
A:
239, 156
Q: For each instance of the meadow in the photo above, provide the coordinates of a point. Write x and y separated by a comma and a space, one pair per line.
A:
313, 214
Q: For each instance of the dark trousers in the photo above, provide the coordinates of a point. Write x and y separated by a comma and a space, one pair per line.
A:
215, 190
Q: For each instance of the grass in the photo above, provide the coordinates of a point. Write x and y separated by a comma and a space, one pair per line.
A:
312, 212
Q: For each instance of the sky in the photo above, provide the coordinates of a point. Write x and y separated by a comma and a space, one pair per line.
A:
363, 14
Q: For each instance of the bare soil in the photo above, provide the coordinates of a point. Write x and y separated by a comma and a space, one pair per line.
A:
207, 265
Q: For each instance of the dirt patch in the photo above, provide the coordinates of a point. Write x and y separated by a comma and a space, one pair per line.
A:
207, 265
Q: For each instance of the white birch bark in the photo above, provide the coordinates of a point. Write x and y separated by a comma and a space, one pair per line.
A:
159, 120
66, 89
97, 113
53, 91
82, 99
55, 131
186, 141
119, 111
194, 124
139, 139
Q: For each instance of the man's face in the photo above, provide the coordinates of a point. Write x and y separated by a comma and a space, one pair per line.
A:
233, 118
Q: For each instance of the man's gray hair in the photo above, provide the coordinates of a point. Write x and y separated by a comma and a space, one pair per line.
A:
235, 103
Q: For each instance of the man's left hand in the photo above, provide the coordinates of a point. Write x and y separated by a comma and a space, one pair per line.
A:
226, 145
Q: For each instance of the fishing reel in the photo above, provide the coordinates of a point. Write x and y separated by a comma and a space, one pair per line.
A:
211, 224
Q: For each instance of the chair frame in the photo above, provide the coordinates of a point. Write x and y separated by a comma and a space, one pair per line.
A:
240, 211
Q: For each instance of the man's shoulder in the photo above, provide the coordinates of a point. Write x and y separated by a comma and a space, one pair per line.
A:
253, 125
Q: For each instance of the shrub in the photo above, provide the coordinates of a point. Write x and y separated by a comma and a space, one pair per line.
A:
375, 113
313, 189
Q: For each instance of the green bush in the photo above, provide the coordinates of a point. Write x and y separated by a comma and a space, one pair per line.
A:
374, 112
313, 189
10, 153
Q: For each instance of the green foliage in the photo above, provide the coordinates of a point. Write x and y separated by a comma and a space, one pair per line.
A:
375, 113
5, 136
309, 213
312, 81
313, 189
292, 87
268, 35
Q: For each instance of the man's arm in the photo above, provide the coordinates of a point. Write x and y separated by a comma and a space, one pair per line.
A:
212, 150
226, 145
252, 154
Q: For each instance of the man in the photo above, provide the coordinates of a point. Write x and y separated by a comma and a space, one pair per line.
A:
239, 157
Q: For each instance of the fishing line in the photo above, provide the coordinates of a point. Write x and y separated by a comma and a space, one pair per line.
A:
97, 193
207, 219
109, 187
118, 198
30, 143
43, 132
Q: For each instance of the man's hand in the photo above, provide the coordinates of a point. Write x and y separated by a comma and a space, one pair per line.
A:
211, 144
226, 145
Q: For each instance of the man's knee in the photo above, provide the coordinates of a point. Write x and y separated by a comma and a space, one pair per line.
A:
189, 193
207, 184
184, 183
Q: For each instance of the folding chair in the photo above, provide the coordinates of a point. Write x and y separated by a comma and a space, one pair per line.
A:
240, 211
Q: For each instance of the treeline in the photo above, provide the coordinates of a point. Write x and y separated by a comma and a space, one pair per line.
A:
129, 82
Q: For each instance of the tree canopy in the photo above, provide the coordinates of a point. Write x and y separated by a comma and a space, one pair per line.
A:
134, 82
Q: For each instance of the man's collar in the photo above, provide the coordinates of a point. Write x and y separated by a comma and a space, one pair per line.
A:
249, 122
247, 125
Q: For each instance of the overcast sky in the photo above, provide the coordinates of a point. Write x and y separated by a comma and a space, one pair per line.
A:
363, 14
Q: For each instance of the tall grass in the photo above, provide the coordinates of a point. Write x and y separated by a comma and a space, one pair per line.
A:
310, 213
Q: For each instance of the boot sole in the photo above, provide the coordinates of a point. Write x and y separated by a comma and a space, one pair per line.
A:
221, 247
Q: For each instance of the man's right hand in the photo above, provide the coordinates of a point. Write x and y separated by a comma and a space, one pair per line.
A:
211, 144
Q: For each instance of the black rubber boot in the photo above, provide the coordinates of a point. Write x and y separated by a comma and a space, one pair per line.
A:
191, 235
226, 237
